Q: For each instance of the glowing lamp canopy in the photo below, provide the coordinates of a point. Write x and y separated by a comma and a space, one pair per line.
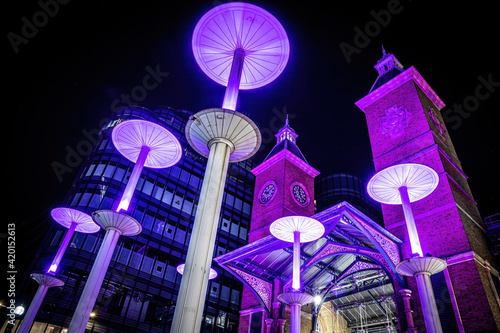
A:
130, 136
244, 27
67, 216
419, 180
285, 228
212, 275
297, 229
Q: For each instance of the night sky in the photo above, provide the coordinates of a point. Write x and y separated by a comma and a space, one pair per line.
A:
64, 78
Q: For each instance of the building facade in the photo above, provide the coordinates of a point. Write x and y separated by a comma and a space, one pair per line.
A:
141, 285
334, 188
405, 126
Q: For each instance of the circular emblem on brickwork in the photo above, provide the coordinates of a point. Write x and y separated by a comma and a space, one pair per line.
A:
299, 193
267, 192
395, 120
437, 123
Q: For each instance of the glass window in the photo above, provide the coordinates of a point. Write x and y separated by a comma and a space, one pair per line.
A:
188, 206
108, 173
167, 196
148, 186
243, 232
148, 221
147, 265
174, 172
77, 241
238, 204
90, 170
120, 172
135, 260
234, 229
229, 199
96, 200
225, 224
184, 176
256, 322
194, 181
85, 199
124, 254
89, 243
224, 293
99, 169
235, 297
158, 191
180, 235
214, 289
170, 274
246, 208
177, 202
55, 240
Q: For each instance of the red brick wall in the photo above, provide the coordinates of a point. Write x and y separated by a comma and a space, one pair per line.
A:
444, 229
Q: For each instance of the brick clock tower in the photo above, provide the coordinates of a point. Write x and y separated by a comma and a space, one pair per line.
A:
405, 126
284, 186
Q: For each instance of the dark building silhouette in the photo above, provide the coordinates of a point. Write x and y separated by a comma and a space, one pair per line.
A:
140, 287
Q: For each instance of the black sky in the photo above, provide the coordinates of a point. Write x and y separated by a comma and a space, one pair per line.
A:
64, 79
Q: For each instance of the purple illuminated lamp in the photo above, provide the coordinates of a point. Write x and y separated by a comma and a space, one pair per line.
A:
404, 184
296, 229
74, 220
238, 45
212, 275
147, 145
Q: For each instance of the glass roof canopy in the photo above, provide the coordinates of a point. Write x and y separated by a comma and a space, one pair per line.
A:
353, 263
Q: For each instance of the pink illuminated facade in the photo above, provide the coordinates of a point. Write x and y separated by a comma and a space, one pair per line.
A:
405, 126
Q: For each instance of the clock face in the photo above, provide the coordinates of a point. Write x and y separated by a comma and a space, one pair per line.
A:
300, 194
267, 192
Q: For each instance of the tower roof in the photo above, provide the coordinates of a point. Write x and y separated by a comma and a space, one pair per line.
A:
388, 67
286, 139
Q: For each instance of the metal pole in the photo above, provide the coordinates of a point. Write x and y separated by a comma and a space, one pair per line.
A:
296, 261
33, 309
64, 245
94, 282
134, 178
192, 293
295, 318
233, 84
410, 222
428, 302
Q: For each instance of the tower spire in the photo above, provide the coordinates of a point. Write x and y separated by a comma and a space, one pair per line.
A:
387, 67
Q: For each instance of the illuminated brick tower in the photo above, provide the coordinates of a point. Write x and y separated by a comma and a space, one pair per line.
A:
284, 186
405, 126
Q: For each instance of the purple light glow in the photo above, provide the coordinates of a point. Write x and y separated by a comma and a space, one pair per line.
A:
420, 180
147, 145
297, 229
212, 275
236, 25
74, 220
403, 184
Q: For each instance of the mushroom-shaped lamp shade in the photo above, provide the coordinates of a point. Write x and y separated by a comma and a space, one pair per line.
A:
147, 144
238, 26
419, 180
297, 229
